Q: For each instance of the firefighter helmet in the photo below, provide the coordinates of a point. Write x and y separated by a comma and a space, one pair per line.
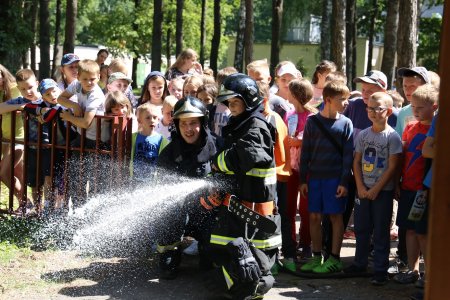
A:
190, 107
241, 86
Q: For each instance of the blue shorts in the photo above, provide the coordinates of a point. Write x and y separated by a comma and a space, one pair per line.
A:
404, 207
322, 197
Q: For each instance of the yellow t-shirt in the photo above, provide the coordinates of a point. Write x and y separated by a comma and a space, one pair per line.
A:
6, 118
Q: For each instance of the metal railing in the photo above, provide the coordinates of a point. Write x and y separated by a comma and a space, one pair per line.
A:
107, 156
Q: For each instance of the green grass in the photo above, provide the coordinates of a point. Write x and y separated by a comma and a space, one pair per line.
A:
10, 252
18, 231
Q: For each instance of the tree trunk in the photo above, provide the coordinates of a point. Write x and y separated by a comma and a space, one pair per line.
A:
215, 42
373, 16
406, 38
26, 15
338, 34
56, 44
239, 52
407, 34
168, 46
350, 32
203, 33
249, 32
33, 13
325, 38
71, 17
137, 4
390, 35
44, 39
156, 35
179, 28
277, 15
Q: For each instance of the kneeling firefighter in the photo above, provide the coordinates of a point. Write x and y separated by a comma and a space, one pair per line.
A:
245, 240
188, 154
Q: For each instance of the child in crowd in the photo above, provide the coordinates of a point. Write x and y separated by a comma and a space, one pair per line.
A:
118, 82
281, 156
146, 144
191, 86
318, 81
224, 73
103, 77
397, 98
301, 92
377, 155
9, 90
116, 104
176, 87
46, 110
207, 93
69, 70
102, 56
166, 126
222, 113
411, 79
424, 102
325, 168
185, 65
285, 73
118, 65
91, 102
259, 71
336, 76
27, 84
154, 89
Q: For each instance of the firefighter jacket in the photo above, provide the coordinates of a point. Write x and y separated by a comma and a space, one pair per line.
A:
192, 160
248, 157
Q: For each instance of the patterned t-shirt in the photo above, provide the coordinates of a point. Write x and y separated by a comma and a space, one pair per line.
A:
146, 152
414, 163
376, 147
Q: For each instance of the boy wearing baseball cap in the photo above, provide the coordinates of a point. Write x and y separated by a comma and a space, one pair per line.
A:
374, 81
45, 110
118, 82
412, 78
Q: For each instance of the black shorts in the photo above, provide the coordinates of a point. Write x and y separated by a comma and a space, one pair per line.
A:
44, 167
404, 207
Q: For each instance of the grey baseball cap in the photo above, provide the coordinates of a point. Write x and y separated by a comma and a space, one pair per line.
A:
373, 77
416, 71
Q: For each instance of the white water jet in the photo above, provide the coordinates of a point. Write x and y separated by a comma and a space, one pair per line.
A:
121, 223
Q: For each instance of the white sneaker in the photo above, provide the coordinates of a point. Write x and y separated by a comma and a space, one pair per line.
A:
192, 249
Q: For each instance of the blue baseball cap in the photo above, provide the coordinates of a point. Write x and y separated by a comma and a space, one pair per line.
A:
46, 84
69, 58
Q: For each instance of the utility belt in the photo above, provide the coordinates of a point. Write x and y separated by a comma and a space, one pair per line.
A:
264, 209
254, 214
237, 220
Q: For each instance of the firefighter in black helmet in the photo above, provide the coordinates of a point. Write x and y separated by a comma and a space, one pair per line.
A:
246, 237
189, 154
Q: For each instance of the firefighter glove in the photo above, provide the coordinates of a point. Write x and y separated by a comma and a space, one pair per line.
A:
244, 263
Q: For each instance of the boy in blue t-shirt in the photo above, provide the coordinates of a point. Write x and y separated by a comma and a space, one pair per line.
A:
325, 168
377, 156
146, 143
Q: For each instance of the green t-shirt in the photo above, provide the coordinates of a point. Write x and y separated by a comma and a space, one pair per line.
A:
6, 118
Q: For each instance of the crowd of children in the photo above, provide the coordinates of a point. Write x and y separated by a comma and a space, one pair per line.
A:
332, 148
